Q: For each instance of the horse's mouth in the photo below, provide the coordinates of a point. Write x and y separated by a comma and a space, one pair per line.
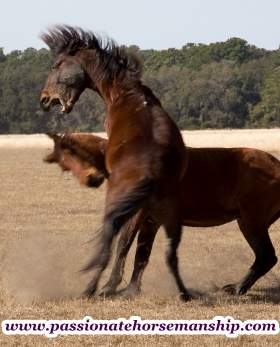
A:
65, 107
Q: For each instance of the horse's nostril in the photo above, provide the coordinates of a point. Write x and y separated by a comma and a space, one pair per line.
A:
44, 100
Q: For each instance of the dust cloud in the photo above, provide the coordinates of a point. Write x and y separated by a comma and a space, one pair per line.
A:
44, 266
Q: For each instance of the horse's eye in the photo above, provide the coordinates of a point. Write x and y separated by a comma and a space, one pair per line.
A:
56, 65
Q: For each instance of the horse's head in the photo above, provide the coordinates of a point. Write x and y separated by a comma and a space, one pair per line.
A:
56, 155
84, 60
88, 168
67, 78
65, 83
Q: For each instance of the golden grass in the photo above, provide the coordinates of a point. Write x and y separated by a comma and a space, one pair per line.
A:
46, 218
266, 139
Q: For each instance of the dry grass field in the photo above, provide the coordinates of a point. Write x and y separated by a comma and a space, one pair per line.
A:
46, 220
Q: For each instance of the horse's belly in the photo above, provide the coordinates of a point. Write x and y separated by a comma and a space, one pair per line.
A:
208, 217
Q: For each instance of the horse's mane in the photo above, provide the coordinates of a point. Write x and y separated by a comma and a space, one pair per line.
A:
69, 40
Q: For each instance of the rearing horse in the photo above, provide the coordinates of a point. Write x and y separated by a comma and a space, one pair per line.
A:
145, 155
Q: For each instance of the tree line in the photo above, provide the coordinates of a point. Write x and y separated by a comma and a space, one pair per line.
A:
229, 84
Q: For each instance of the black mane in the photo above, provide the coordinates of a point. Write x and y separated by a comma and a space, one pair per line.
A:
69, 40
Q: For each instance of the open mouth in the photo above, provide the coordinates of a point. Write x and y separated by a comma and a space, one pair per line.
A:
65, 107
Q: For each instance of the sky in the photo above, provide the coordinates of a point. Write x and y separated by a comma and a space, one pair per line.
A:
157, 24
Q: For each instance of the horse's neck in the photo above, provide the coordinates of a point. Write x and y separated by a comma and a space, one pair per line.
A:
124, 94
117, 98
111, 91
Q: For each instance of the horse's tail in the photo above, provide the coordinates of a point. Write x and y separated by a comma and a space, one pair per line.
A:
125, 207
118, 214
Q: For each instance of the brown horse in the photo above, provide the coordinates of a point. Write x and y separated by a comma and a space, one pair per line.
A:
145, 154
82, 154
240, 183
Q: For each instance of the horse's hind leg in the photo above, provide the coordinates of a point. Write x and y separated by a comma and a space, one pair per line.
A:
146, 237
102, 257
122, 203
265, 258
126, 239
174, 235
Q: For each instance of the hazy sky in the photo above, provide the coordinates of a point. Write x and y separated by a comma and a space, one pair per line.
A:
147, 23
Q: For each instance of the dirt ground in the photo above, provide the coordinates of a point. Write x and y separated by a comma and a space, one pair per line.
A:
46, 221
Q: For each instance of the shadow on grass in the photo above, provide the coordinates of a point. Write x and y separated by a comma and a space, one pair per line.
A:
267, 295
216, 296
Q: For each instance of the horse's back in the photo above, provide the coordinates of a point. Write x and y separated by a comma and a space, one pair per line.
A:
260, 162
219, 180
232, 163
259, 186
209, 183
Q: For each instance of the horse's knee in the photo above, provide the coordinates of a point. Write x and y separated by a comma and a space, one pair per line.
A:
171, 254
171, 258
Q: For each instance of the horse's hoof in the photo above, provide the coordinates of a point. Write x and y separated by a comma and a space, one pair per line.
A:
89, 292
87, 295
241, 290
185, 297
108, 290
230, 289
129, 292
106, 293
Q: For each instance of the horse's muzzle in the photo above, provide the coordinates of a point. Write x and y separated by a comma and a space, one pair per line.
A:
45, 102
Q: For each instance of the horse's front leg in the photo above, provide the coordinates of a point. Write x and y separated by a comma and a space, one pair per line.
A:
174, 232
